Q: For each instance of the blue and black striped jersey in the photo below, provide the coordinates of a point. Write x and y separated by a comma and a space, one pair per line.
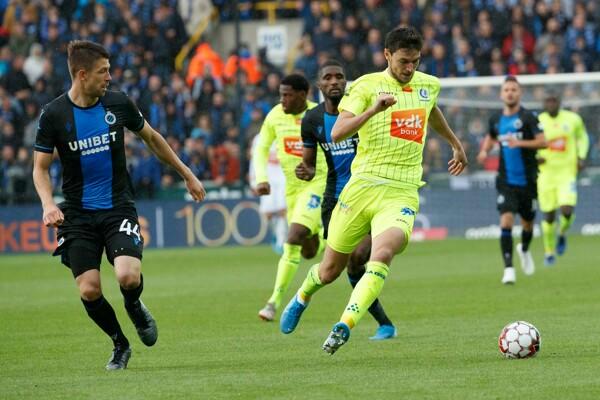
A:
316, 129
518, 166
90, 143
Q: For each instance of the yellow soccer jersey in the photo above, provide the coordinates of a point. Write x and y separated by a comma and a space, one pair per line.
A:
284, 129
567, 141
391, 142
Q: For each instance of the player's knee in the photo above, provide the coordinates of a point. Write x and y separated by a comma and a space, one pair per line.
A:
295, 238
90, 291
328, 275
308, 252
128, 279
358, 259
384, 255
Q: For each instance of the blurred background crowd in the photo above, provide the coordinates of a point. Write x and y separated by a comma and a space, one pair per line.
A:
209, 111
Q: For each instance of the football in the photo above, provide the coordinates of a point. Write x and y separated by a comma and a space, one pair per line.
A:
519, 340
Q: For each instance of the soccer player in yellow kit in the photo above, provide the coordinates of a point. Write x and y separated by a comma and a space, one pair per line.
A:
559, 163
303, 199
390, 111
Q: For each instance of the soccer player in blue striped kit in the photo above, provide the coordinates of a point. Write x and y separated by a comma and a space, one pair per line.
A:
86, 126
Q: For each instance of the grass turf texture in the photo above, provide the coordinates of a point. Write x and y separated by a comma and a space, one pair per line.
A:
445, 298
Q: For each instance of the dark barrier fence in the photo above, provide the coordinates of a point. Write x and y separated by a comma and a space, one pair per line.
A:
469, 214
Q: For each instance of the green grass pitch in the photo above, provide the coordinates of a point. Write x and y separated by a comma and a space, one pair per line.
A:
445, 298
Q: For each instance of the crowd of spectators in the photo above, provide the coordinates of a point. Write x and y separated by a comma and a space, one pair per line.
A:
210, 110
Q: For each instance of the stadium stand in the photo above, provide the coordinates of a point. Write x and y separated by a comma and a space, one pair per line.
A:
195, 107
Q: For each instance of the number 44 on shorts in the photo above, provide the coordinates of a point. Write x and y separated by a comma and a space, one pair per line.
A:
126, 227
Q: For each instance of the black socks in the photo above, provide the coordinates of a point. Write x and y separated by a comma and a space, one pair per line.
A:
102, 313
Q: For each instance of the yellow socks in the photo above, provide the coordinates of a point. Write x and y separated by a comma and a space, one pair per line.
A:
311, 284
565, 223
364, 294
286, 269
549, 237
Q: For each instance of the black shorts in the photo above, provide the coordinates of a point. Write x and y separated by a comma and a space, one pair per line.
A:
84, 235
327, 207
515, 199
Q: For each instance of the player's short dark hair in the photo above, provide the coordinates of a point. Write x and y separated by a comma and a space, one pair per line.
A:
332, 62
82, 54
512, 78
297, 82
403, 38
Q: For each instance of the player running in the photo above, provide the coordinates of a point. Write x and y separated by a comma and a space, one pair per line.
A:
568, 145
390, 110
303, 199
316, 129
520, 135
87, 127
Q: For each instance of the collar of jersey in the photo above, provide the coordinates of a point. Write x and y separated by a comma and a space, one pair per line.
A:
82, 108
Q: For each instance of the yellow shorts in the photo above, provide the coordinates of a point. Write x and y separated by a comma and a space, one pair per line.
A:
304, 206
364, 206
556, 191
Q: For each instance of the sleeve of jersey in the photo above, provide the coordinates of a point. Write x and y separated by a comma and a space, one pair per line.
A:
436, 89
134, 121
535, 126
44, 140
355, 100
583, 141
307, 132
261, 151
492, 128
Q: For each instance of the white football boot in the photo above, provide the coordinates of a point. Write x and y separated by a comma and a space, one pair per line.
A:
527, 264
509, 276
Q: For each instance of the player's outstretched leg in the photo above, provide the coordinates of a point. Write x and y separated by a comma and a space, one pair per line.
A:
506, 244
549, 239
386, 329
366, 291
286, 269
119, 358
566, 220
339, 335
527, 263
292, 313
356, 269
144, 323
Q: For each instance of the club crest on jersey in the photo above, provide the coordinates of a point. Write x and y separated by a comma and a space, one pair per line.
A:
423, 94
110, 118
314, 202
408, 124
518, 123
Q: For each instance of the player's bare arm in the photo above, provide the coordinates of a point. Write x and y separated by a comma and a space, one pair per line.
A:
52, 215
159, 146
459, 158
347, 123
306, 169
486, 146
539, 142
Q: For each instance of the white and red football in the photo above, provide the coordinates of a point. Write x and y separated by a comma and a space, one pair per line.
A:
519, 340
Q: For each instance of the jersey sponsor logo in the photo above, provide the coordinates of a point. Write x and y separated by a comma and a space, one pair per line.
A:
110, 118
558, 144
347, 146
292, 145
423, 94
94, 144
408, 124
